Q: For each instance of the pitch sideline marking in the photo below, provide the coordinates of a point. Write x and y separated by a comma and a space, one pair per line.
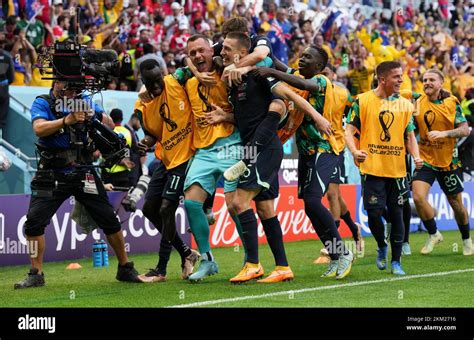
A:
305, 290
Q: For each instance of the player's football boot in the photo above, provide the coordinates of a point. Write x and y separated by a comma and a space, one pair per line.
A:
153, 275
397, 268
467, 247
332, 269
323, 257
406, 250
431, 242
206, 268
249, 272
381, 261
187, 264
344, 265
281, 273
235, 171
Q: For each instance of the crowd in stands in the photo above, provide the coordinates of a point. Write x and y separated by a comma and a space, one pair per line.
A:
357, 35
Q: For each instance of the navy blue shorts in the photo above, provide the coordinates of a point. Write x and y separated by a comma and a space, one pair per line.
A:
449, 181
263, 173
314, 173
377, 192
167, 184
339, 174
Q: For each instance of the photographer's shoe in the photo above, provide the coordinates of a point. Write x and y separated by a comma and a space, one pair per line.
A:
128, 273
32, 280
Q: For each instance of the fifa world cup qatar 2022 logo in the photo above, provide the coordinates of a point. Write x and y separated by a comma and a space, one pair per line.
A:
386, 119
429, 118
166, 116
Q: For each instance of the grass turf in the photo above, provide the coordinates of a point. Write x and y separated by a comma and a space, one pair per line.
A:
97, 287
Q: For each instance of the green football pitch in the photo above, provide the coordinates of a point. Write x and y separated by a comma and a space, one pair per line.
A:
442, 279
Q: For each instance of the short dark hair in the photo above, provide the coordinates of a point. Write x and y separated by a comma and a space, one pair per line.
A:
11, 20
197, 37
469, 93
237, 24
147, 48
148, 64
134, 116
242, 39
324, 55
384, 67
62, 18
116, 115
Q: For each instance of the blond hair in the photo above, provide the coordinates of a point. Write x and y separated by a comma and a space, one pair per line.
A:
437, 72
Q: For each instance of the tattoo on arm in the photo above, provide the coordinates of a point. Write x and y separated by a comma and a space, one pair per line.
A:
461, 131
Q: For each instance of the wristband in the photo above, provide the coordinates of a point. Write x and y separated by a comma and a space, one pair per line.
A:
64, 121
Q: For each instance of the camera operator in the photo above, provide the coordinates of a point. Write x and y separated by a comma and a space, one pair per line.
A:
59, 177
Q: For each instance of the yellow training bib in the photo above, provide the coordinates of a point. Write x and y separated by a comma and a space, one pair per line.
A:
383, 124
201, 97
436, 117
168, 117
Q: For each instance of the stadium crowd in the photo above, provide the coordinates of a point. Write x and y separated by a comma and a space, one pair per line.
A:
357, 35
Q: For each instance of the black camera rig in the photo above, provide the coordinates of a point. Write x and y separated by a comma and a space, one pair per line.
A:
81, 67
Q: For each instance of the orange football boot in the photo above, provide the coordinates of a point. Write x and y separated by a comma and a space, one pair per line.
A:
249, 272
281, 273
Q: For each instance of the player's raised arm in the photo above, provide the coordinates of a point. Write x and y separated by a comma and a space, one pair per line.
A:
323, 125
295, 81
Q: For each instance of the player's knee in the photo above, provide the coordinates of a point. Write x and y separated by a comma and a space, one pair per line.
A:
455, 203
277, 105
150, 210
265, 212
167, 208
374, 213
418, 199
312, 202
333, 196
230, 207
238, 207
